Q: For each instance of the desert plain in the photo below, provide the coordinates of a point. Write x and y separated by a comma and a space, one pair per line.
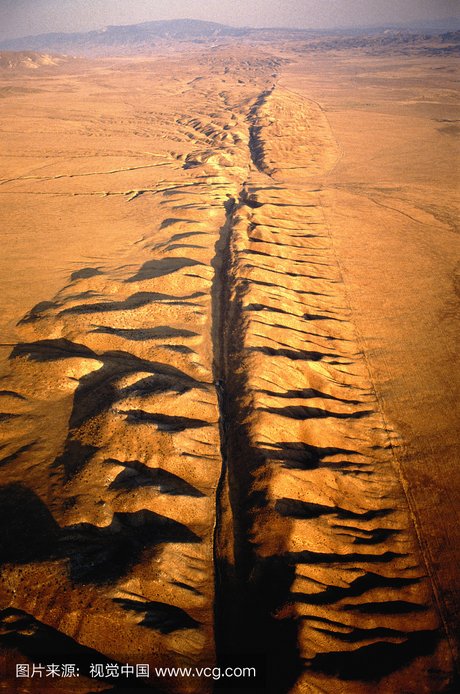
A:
229, 291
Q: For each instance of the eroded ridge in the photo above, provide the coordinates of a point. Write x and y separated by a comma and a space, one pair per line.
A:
118, 508
328, 578
111, 453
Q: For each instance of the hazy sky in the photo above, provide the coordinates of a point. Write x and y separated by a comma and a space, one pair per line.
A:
23, 17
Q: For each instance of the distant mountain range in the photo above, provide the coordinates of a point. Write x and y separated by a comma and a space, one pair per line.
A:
132, 36
390, 40
138, 38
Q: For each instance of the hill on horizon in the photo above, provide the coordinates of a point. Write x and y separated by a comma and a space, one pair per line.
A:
134, 36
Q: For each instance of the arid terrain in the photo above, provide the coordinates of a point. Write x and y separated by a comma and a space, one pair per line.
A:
229, 378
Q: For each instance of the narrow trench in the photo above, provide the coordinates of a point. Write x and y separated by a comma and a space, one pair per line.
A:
256, 147
224, 560
248, 590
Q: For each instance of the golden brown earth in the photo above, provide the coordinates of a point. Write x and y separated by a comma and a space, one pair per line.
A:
229, 317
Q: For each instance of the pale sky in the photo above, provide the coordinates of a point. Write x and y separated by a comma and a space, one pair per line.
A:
25, 17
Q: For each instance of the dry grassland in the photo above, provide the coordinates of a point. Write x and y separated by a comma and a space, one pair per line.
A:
229, 399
